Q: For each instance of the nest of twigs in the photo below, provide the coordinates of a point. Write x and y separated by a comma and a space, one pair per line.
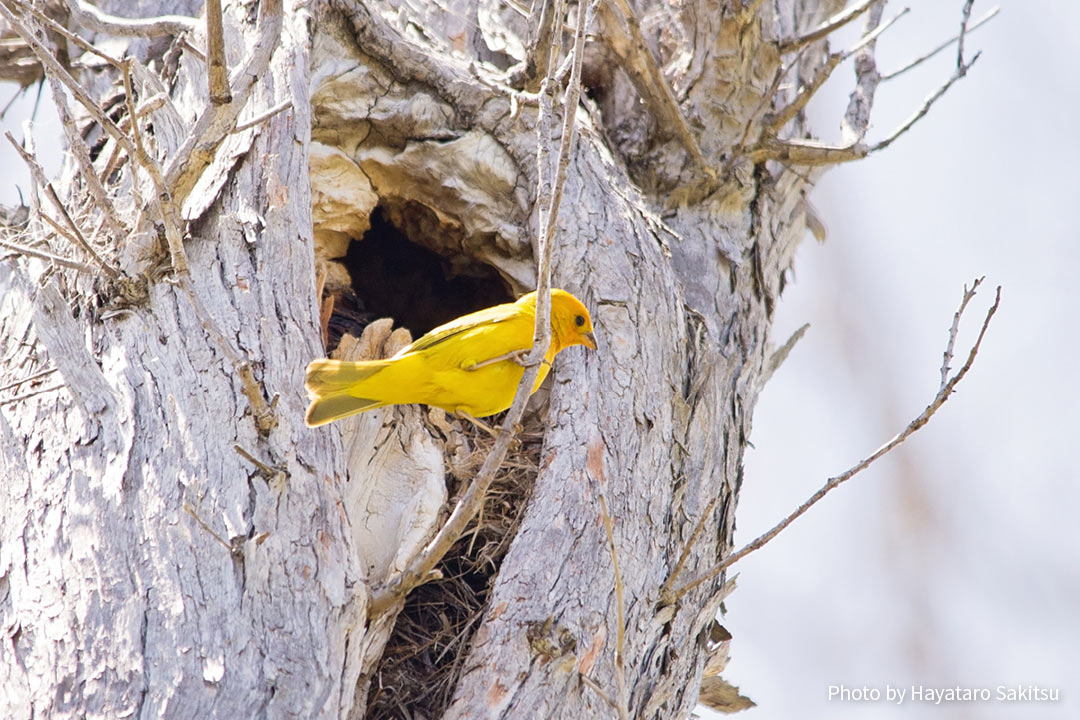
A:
426, 652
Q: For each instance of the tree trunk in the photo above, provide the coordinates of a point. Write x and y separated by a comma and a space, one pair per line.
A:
149, 568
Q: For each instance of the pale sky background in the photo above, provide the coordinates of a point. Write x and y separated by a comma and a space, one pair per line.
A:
955, 560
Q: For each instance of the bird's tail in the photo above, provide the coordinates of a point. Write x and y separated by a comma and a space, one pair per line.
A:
334, 386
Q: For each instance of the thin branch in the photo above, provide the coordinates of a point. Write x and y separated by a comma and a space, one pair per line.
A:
43, 255
218, 70
685, 554
81, 152
595, 687
421, 566
264, 416
965, 17
781, 354
94, 19
923, 58
270, 474
628, 44
163, 201
834, 23
954, 329
263, 117
856, 120
620, 628
765, 101
59, 29
777, 120
35, 169
30, 378
233, 550
216, 122
806, 152
942, 396
927, 104
136, 131
32, 393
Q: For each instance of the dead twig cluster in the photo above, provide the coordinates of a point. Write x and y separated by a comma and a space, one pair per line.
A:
170, 181
793, 151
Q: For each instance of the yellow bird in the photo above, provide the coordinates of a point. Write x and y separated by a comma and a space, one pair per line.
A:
470, 365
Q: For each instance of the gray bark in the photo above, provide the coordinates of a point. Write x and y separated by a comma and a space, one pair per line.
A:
116, 601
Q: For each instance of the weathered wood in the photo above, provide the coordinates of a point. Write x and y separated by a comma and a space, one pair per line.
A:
146, 568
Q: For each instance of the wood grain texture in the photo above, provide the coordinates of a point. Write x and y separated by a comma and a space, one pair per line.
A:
115, 601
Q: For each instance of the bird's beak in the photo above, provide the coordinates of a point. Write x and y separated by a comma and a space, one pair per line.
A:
588, 340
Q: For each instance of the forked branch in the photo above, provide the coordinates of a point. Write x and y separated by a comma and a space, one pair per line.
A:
669, 596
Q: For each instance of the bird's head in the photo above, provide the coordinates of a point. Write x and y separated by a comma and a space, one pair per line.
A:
570, 321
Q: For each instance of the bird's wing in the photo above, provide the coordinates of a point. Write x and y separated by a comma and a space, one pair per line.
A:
465, 323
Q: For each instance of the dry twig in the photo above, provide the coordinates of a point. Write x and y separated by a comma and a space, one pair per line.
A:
829, 26
217, 76
810, 153
77, 236
29, 378
263, 117
95, 19
548, 200
942, 396
45, 255
624, 37
923, 58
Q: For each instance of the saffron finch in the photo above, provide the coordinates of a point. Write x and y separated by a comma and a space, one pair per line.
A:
471, 365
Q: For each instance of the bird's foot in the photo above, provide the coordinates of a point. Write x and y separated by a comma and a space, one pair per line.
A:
517, 356
478, 423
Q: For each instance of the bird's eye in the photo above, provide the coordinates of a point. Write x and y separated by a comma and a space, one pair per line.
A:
579, 320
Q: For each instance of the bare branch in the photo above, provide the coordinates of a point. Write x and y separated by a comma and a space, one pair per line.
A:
216, 122
82, 156
548, 200
94, 19
925, 108
776, 121
923, 58
834, 23
136, 131
35, 169
218, 74
263, 117
71, 37
623, 36
955, 328
191, 511
44, 255
781, 354
27, 379
685, 554
264, 416
163, 200
856, 120
942, 396
270, 474
32, 393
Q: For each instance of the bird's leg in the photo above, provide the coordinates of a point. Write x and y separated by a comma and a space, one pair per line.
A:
515, 441
517, 356
478, 423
